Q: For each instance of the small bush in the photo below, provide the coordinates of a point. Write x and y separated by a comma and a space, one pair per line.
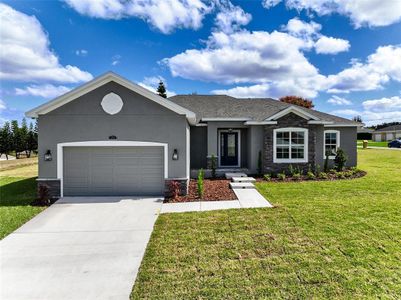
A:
340, 159
201, 176
296, 176
44, 198
267, 177
281, 176
323, 175
175, 189
317, 170
348, 173
341, 175
213, 165
310, 175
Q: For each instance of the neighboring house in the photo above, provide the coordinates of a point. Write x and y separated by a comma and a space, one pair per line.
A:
113, 137
387, 133
364, 133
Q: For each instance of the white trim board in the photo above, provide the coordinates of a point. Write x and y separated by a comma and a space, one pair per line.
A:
218, 148
101, 80
292, 109
291, 160
225, 119
60, 152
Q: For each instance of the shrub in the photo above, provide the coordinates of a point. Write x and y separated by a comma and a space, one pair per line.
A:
201, 176
296, 176
44, 198
340, 159
310, 175
341, 175
260, 163
323, 175
281, 176
213, 165
267, 177
317, 170
291, 170
174, 189
348, 173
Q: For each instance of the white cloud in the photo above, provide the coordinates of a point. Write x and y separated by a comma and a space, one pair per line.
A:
151, 83
165, 15
45, 90
336, 100
380, 67
376, 111
330, 45
115, 60
25, 54
310, 34
3, 105
231, 18
81, 52
392, 104
361, 12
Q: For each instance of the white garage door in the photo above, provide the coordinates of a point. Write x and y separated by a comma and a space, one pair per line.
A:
113, 171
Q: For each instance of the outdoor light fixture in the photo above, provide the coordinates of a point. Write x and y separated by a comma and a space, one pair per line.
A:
112, 137
48, 155
175, 154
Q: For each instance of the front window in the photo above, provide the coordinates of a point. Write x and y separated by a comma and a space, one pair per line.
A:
331, 143
290, 145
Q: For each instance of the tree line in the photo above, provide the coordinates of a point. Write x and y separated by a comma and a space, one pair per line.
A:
17, 139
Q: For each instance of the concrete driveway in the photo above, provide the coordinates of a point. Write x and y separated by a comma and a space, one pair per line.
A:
79, 248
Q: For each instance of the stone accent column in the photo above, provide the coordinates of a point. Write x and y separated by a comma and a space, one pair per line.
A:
54, 186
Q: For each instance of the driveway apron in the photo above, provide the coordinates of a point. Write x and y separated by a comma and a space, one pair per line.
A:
79, 248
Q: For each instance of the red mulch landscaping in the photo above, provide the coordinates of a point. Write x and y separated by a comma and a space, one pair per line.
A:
214, 190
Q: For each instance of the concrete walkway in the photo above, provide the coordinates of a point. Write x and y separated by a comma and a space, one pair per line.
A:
79, 248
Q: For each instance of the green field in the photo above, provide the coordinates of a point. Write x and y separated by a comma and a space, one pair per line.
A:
17, 191
323, 240
371, 143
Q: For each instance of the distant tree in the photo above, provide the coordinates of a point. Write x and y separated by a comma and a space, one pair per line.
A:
6, 141
17, 140
383, 125
357, 119
297, 101
161, 90
32, 142
24, 132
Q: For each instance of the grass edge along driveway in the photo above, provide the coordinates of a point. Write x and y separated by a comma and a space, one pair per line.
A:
337, 239
17, 191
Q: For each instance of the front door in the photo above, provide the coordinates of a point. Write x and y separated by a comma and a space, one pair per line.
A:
229, 149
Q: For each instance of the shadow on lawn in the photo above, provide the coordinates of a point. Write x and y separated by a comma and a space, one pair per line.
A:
18, 192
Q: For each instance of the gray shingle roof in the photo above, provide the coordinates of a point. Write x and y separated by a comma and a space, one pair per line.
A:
390, 128
256, 109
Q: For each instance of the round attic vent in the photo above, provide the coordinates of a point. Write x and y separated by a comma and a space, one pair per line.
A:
112, 103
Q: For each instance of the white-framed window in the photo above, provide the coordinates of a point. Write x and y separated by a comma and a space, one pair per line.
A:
331, 141
290, 145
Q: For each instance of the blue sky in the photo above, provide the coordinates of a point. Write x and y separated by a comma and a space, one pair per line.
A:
346, 57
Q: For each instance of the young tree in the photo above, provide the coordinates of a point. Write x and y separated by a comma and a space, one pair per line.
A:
161, 90
5, 139
297, 101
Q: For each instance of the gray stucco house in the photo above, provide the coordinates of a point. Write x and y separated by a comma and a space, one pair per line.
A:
113, 137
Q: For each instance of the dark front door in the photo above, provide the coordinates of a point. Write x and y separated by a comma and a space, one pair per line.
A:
229, 150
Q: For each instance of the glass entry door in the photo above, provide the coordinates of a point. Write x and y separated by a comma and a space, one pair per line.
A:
229, 149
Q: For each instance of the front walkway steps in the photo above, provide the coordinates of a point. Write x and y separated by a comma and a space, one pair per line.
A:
248, 197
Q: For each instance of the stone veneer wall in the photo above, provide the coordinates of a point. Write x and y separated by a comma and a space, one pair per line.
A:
290, 120
53, 185
183, 186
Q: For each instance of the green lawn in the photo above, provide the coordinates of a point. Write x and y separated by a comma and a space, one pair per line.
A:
324, 240
371, 143
17, 191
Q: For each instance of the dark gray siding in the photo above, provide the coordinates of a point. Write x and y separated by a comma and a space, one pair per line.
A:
140, 119
198, 147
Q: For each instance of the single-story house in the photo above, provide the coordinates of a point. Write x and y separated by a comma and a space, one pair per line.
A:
388, 133
111, 136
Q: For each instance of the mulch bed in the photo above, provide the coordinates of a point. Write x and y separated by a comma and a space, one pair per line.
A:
214, 190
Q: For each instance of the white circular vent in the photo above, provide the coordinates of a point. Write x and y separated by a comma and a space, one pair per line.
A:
112, 103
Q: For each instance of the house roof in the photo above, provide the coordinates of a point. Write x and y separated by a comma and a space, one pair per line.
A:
390, 128
101, 80
250, 109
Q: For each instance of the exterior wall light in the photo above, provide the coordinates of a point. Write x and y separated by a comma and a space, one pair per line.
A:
175, 154
48, 155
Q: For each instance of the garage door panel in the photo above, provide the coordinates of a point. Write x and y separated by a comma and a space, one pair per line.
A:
111, 171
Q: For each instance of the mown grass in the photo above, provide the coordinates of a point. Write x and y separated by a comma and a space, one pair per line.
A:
17, 191
374, 144
323, 240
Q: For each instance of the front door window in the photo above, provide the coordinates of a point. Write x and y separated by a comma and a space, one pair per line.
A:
229, 149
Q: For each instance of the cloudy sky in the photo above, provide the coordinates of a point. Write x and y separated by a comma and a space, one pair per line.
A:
345, 55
